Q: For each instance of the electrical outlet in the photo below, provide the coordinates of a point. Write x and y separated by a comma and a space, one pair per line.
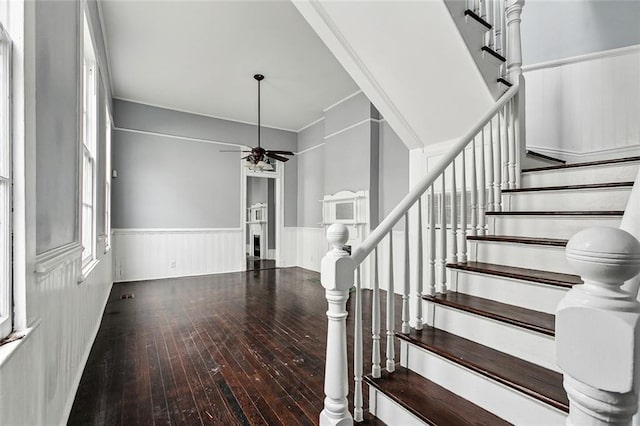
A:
173, 264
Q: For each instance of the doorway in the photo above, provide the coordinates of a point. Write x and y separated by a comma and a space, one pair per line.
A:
262, 217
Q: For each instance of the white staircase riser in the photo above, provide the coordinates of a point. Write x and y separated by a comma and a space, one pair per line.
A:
567, 200
389, 411
563, 227
526, 294
493, 396
531, 256
623, 172
529, 345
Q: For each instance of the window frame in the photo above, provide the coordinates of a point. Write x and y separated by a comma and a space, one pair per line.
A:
107, 185
89, 150
6, 178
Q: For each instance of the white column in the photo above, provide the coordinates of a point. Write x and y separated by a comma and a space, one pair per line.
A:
337, 270
357, 352
597, 329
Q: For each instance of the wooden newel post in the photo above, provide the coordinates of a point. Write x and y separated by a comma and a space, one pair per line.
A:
336, 270
598, 329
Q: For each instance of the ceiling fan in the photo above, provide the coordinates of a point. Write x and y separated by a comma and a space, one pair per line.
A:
259, 157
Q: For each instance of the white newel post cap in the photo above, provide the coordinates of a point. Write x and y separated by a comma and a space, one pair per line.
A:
337, 267
598, 324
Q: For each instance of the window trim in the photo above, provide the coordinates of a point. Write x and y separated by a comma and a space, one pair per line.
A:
6, 281
88, 146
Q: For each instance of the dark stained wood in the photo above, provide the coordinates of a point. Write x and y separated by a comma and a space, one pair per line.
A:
544, 157
493, 53
570, 187
544, 277
526, 377
585, 164
559, 213
429, 401
556, 242
526, 318
243, 348
504, 81
475, 16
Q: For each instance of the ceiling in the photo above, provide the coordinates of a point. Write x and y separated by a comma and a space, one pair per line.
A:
200, 57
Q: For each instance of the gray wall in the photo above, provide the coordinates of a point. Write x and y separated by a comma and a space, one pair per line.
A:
369, 156
559, 29
178, 183
310, 176
57, 44
57, 91
271, 212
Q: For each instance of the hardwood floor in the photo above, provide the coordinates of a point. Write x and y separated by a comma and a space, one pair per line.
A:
242, 348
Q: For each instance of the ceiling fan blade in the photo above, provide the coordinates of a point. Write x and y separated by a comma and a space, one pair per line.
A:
277, 157
231, 150
280, 152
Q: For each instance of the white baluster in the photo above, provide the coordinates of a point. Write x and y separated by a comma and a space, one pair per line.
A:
419, 268
483, 9
490, 201
357, 352
453, 257
505, 147
474, 190
497, 168
597, 329
442, 285
432, 243
499, 32
407, 284
375, 319
489, 41
391, 312
482, 188
462, 254
511, 129
337, 270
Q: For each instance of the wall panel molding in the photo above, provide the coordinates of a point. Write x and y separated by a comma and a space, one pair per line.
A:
586, 109
144, 254
50, 260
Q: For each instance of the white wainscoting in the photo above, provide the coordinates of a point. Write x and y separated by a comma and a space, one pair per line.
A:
304, 247
41, 372
585, 108
143, 254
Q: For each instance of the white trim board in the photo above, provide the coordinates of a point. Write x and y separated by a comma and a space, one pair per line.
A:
186, 138
310, 124
202, 114
120, 231
602, 154
304, 151
366, 120
346, 98
582, 58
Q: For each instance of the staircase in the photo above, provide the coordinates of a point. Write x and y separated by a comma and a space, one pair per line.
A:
487, 352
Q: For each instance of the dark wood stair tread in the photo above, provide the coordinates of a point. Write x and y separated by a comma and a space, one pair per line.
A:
540, 322
556, 242
504, 81
534, 275
477, 18
538, 382
558, 213
493, 53
429, 401
585, 164
570, 187
544, 157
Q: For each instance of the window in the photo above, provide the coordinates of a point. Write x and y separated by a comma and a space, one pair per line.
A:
107, 189
5, 186
89, 149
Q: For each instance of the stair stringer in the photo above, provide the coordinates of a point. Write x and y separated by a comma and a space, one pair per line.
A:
410, 60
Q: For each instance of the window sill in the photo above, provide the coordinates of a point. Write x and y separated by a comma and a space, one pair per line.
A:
87, 269
9, 348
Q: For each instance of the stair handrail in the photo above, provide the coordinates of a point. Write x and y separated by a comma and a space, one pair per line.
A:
387, 224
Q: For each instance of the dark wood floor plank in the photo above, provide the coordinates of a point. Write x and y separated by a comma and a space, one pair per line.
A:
240, 348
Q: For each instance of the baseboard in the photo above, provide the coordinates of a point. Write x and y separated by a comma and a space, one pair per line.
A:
579, 157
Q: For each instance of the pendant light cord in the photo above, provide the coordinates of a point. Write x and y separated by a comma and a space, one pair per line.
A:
259, 81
